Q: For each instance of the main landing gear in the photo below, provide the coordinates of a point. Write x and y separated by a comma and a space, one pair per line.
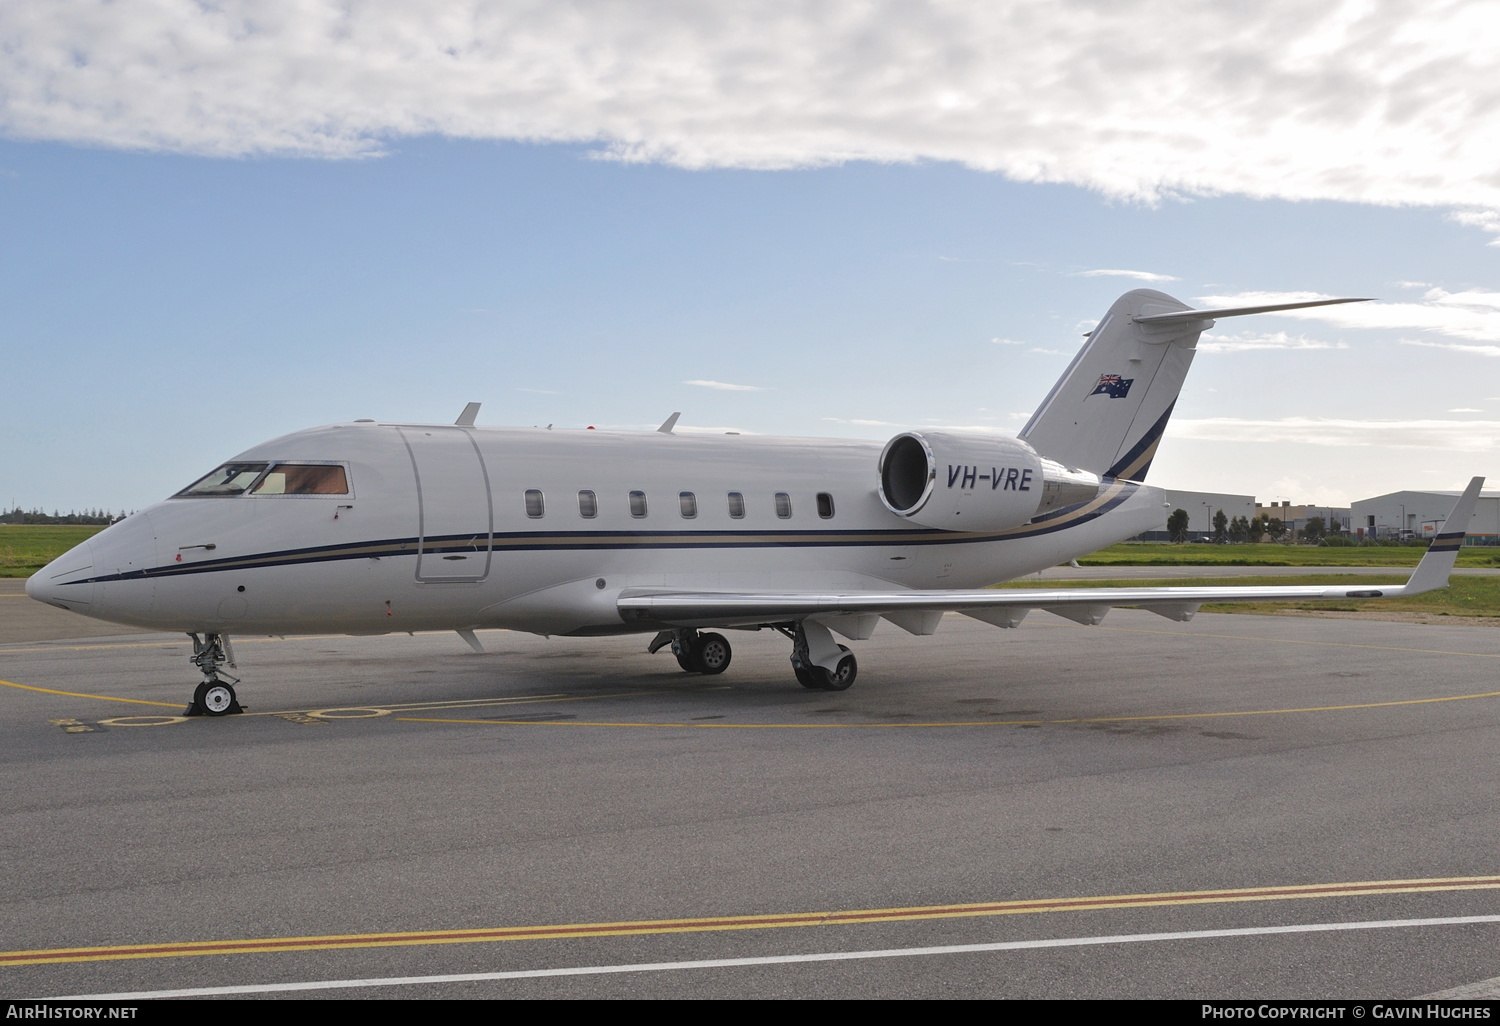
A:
817, 661
816, 674
696, 653
213, 697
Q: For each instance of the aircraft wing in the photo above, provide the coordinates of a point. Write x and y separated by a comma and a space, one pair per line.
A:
854, 612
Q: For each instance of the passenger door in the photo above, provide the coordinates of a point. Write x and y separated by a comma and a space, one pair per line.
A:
455, 519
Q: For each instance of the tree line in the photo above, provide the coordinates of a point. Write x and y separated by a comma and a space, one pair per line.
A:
1250, 529
95, 517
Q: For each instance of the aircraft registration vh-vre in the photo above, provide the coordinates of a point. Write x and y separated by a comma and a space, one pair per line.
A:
370, 528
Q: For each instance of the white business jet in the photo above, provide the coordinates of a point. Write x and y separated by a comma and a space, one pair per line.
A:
370, 528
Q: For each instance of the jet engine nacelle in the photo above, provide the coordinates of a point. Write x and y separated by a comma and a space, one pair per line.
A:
975, 483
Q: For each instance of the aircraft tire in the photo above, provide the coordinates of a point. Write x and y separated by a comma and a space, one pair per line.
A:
215, 698
840, 679
711, 654
685, 660
804, 676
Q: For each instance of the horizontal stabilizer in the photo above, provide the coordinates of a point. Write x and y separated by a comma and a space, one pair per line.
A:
1189, 316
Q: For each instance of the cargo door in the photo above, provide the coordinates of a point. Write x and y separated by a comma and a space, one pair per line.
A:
455, 519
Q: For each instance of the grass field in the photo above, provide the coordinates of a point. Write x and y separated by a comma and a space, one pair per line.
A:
1464, 596
25, 549
1167, 554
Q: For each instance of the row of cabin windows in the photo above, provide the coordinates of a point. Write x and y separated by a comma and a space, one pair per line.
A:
588, 505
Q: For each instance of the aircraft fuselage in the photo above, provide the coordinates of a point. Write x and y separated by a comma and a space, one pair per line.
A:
448, 527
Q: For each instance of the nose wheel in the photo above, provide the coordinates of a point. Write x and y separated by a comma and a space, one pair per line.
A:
214, 696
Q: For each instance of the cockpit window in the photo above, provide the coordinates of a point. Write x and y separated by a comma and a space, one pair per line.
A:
230, 479
303, 479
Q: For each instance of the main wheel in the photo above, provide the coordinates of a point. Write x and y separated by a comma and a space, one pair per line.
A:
841, 678
215, 698
711, 654
685, 659
804, 675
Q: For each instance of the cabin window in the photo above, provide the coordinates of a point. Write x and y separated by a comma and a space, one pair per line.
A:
230, 479
783, 505
588, 504
737, 505
638, 504
825, 505
302, 479
689, 503
535, 506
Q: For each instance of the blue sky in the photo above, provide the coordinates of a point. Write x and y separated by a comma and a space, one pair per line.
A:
168, 301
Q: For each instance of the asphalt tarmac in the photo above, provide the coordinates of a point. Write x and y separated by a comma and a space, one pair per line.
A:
1249, 807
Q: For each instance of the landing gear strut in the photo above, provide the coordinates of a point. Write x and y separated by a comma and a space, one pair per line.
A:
696, 653
214, 696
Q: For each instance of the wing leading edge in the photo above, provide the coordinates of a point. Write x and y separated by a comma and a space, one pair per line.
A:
853, 613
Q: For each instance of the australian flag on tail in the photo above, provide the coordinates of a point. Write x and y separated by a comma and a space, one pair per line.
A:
1113, 386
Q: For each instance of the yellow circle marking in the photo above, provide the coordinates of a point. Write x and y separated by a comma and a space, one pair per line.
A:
963, 723
76, 694
349, 713
142, 721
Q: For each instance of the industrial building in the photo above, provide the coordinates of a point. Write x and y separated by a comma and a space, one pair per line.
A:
1413, 514
1336, 519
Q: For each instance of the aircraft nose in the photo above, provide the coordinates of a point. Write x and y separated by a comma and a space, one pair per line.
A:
64, 582
37, 587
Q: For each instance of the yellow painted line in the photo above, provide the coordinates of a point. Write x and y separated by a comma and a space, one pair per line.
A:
964, 723
1294, 641
75, 694
383, 710
635, 928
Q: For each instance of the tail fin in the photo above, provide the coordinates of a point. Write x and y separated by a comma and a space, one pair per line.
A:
1106, 414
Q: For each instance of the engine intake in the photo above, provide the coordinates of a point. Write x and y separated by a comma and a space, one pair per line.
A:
975, 483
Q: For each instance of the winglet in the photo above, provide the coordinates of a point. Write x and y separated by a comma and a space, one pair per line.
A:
466, 418
1432, 572
668, 424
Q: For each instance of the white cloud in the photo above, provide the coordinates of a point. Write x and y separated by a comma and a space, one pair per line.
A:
1446, 435
1048, 352
1465, 409
539, 391
1484, 220
1474, 314
724, 386
1138, 275
1274, 340
1457, 347
1393, 103
1007, 342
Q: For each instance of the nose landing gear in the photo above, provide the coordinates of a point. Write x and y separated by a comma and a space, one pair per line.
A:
214, 696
